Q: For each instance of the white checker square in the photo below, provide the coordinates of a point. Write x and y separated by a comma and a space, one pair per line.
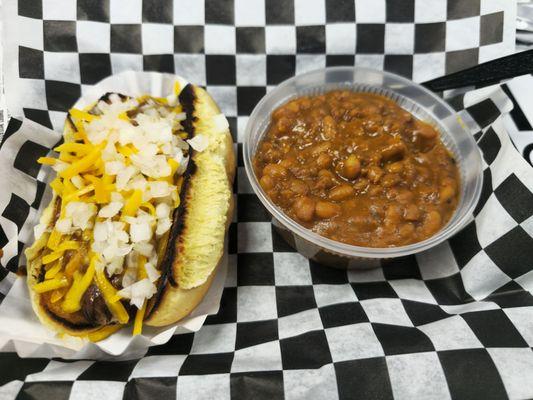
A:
470, 307
256, 303
202, 387
231, 274
481, 276
309, 62
57, 118
366, 275
399, 38
226, 98
158, 366
291, 269
430, 11
526, 281
62, 67
493, 222
370, 11
215, 339
451, 333
125, 11
241, 129
428, 66
280, 39
369, 60
326, 295
417, 376
522, 319
157, 38
386, 311
30, 32
320, 383
11, 389
242, 181
462, 33
352, 342
309, 12
299, 323
527, 225
109, 390
189, 12
59, 10
192, 66
412, 289
492, 6
93, 37
515, 366
249, 12
254, 237
126, 62
437, 262
219, 39
263, 357
251, 69
340, 38
60, 371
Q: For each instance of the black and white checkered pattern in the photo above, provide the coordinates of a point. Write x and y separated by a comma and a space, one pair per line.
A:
454, 322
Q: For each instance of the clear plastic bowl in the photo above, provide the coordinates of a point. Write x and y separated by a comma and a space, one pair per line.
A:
414, 98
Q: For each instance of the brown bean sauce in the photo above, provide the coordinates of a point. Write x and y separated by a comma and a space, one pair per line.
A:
359, 169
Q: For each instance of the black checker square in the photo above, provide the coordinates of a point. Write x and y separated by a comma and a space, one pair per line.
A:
511, 295
256, 332
279, 12
219, 12
93, 10
232, 238
26, 159
178, 344
279, 244
206, 364
334, 60
59, 390
513, 252
461, 59
94, 67
19, 368
40, 116
486, 191
60, 36
158, 11
311, 39
41, 186
491, 28
251, 209
465, 244
340, 11
248, 97
159, 62
263, 385
60, 96
370, 38
462, 9
255, 269
421, 313
228, 308
327, 275
484, 381
220, 69
355, 382
30, 9
146, 388
484, 113
342, 314
250, 39
430, 37
293, 299
449, 290
118, 371
3, 239
373, 290
126, 38
516, 198
308, 350
31, 63
189, 39
494, 329
400, 11
401, 268
402, 339
280, 67
13, 126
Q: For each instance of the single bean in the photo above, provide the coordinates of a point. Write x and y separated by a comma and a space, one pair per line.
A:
404, 196
304, 208
406, 230
330, 128
374, 174
288, 162
390, 180
446, 193
275, 170
352, 167
395, 168
267, 182
394, 151
411, 213
341, 192
326, 209
323, 160
393, 215
299, 187
432, 222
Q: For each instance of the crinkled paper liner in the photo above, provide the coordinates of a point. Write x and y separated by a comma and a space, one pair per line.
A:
21, 330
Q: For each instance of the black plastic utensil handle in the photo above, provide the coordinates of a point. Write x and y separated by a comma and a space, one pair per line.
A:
485, 74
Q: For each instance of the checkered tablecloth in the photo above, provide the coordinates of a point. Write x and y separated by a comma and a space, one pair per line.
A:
454, 322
